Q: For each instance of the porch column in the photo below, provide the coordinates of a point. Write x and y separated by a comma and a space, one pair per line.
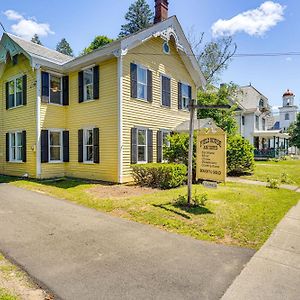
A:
274, 142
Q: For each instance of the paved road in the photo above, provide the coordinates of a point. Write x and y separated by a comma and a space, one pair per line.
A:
79, 253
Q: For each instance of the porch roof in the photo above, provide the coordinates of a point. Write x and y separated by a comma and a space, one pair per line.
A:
271, 134
184, 127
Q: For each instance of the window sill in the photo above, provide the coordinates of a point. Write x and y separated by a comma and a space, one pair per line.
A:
141, 162
89, 163
11, 108
88, 101
16, 162
165, 106
55, 104
141, 100
55, 162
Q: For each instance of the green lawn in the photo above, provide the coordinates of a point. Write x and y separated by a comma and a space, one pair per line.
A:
274, 169
4, 295
235, 214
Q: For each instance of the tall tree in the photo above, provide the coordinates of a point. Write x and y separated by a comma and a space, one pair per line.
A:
294, 131
98, 42
139, 16
213, 57
64, 47
36, 39
225, 119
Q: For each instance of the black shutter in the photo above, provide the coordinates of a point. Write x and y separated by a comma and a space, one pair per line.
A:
166, 91
149, 86
44, 146
7, 94
150, 145
96, 145
66, 151
7, 146
80, 145
159, 146
179, 95
45, 87
24, 83
134, 149
65, 83
133, 80
96, 82
80, 86
24, 152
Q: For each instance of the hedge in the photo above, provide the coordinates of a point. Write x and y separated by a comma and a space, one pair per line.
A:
163, 176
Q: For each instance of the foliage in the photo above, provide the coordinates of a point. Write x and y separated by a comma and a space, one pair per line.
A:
36, 39
5, 295
294, 131
163, 176
285, 178
240, 155
64, 47
273, 183
214, 57
139, 16
98, 42
224, 118
198, 200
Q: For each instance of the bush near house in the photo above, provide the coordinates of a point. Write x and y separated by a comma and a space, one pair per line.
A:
240, 155
163, 176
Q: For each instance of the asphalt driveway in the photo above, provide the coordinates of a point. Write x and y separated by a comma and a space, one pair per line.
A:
79, 253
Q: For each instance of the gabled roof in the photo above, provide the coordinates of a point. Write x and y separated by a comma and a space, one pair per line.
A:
42, 56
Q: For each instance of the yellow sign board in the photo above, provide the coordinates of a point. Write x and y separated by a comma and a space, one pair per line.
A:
211, 155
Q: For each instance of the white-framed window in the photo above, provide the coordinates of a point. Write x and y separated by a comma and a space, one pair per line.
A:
88, 83
15, 147
15, 92
55, 145
142, 145
141, 82
165, 142
257, 122
287, 116
88, 145
264, 124
55, 86
185, 95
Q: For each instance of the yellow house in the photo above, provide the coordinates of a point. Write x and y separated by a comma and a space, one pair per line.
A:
94, 115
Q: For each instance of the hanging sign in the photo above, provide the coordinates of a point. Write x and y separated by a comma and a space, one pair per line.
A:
211, 155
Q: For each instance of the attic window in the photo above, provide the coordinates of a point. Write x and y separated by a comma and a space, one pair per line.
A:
166, 48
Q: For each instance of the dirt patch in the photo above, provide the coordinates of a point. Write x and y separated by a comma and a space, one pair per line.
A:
15, 282
120, 191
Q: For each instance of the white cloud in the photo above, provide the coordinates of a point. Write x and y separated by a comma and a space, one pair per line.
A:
27, 27
288, 58
13, 15
254, 22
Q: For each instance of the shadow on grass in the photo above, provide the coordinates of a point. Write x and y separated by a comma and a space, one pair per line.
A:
195, 210
62, 183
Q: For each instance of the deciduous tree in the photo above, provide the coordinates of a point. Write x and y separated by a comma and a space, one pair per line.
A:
98, 42
294, 131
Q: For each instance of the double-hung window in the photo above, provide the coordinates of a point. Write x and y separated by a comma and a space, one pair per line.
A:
88, 83
185, 96
257, 122
142, 145
166, 91
55, 146
55, 89
141, 83
165, 143
15, 92
88, 146
15, 147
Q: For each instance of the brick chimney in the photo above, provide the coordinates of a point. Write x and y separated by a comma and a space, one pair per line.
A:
161, 10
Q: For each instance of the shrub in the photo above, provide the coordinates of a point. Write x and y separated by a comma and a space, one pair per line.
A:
163, 176
240, 155
273, 183
198, 200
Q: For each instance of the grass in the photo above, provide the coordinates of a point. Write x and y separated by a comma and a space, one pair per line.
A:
235, 214
5, 295
274, 170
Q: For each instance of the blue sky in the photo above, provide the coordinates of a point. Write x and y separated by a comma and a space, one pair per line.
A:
80, 21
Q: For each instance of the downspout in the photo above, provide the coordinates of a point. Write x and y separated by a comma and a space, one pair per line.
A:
38, 122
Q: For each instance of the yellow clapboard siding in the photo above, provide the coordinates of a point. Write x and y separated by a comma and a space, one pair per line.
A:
20, 118
152, 115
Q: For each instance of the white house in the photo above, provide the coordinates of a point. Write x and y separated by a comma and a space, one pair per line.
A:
253, 118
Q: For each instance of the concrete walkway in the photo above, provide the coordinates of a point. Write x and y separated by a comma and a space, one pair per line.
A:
79, 253
260, 183
274, 271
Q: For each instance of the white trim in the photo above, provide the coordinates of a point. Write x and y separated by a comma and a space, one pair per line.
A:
137, 82
88, 67
120, 117
61, 89
187, 84
146, 145
38, 121
61, 146
84, 145
15, 133
14, 79
85, 86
